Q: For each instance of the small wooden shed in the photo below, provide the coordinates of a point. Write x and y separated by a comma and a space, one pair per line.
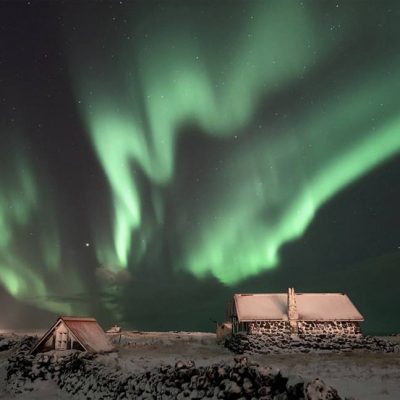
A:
79, 333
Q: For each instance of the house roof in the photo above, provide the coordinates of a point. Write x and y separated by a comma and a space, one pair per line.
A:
85, 330
310, 307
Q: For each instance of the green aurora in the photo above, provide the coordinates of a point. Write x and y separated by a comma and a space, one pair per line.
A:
30, 272
157, 150
273, 186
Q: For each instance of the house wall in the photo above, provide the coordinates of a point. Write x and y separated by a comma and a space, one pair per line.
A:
239, 326
268, 327
329, 327
304, 327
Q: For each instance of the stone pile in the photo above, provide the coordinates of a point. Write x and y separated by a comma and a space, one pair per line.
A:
16, 342
6, 343
83, 377
283, 343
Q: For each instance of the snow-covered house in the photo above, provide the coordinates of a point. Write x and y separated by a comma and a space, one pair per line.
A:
80, 333
292, 313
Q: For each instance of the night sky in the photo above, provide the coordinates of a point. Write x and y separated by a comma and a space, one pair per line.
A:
157, 157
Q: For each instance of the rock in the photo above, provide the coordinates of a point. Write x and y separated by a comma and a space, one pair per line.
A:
6, 344
295, 386
318, 390
264, 391
184, 364
281, 396
230, 387
248, 386
196, 394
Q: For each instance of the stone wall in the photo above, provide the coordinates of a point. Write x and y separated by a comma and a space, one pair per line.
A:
269, 327
84, 376
305, 343
329, 327
305, 327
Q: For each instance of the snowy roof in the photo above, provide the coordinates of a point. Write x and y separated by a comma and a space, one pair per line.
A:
85, 330
89, 333
310, 307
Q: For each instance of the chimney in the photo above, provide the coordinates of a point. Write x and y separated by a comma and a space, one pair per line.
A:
293, 315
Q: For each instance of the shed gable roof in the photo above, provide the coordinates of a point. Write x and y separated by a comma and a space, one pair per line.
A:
89, 333
310, 307
85, 330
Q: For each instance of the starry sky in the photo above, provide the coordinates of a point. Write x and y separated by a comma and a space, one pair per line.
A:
157, 157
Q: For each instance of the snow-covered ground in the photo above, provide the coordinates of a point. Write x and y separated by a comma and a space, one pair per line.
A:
359, 375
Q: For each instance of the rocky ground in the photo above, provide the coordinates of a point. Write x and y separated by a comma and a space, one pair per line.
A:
160, 363
84, 376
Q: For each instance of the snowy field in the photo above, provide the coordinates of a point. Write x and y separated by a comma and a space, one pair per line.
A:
357, 375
